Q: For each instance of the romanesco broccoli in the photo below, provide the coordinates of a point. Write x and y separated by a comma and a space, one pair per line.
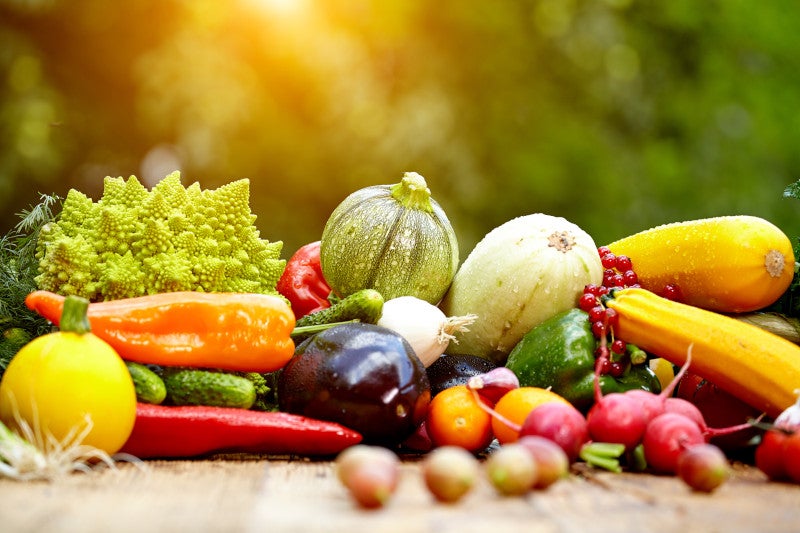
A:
266, 386
133, 242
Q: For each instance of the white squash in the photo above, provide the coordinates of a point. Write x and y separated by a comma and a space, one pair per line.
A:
519, 275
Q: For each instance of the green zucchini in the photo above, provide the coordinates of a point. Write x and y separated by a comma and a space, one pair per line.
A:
395, 239
149, 386
190, 386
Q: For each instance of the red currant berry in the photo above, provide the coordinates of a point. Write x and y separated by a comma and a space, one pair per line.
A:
612, 317
618, 280
623, 263
587, 301
630, 278
591, 288
616, 369
618, 346
672, 292
603, 250
597, 313
605, 365
609, 260
603, 290
599, 329
608, 277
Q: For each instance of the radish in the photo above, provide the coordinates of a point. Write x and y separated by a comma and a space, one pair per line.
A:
691, 411
551, 460
559, 422
617, 418
703, 467
666, 436
622, 417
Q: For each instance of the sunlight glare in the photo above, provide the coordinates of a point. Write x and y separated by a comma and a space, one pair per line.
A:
281, 7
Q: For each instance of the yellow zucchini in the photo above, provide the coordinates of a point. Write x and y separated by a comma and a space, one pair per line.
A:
758, 367
728, 264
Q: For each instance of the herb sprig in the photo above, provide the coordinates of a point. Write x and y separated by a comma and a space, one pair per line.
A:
18, 268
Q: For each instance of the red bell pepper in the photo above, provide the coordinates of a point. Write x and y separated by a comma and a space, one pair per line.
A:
302, 282
189, 431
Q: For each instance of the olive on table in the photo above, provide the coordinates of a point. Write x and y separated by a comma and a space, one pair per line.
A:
363, 376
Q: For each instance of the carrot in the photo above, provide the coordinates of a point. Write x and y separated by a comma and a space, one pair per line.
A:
229, 331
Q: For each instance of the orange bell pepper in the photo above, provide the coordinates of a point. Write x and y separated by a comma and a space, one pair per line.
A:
230, 331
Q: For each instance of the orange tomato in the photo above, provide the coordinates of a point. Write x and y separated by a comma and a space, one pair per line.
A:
515, 405
455, 418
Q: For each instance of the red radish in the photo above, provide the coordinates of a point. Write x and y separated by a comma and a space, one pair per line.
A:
450, 472
769, 454
687, 409
559, 422
690, 410
617, 418
703, 467
511, 469
653, 404
370, 473
372, 484
667, 435
551, 460
623, 417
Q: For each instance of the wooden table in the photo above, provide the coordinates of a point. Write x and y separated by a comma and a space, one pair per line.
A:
258, 494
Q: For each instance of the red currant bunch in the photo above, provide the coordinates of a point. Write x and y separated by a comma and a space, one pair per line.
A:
618, 273
618, 269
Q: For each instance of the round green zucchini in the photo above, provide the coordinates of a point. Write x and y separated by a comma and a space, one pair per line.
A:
395, 239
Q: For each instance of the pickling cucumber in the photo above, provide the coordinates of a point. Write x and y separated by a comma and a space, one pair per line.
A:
190, 386
365, 306
149, 386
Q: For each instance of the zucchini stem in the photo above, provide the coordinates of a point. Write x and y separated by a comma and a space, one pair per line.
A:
413, 193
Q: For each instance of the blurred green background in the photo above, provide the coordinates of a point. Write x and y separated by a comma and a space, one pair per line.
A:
616, 114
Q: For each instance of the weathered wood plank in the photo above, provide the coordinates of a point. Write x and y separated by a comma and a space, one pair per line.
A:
253, 494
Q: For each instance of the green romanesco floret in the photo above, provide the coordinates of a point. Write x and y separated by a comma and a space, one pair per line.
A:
133, 242
266, 387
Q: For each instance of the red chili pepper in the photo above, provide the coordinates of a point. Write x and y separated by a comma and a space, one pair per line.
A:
193, 430
302, 282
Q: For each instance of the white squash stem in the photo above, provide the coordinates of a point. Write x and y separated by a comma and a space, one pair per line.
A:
426, 328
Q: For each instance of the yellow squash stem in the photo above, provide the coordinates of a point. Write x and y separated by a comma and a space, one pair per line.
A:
760, 368
730, 264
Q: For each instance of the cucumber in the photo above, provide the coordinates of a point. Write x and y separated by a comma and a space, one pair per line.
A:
190, 386
365, 306
149, 386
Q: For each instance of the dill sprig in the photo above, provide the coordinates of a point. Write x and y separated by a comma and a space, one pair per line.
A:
18, 268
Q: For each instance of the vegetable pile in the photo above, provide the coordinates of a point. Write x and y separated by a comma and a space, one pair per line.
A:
541, 356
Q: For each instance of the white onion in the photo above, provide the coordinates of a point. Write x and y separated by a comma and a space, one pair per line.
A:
426, 328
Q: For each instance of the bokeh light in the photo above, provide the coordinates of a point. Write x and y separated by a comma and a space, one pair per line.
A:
618, 115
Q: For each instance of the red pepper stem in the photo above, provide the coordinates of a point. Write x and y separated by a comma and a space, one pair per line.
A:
74, 317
